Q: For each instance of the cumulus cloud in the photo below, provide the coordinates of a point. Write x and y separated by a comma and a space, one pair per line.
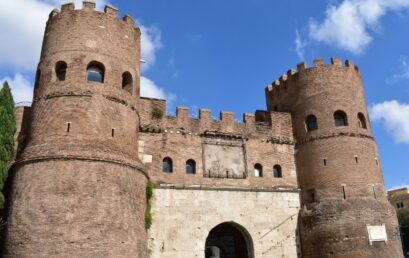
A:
395, 118
348, 24
151, 43
402, 74
299, 45
22, 24
151, 90
21, 88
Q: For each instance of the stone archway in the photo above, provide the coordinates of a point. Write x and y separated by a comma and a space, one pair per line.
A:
229, 240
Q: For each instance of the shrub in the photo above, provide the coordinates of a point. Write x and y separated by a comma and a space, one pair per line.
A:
148, 211
157, 113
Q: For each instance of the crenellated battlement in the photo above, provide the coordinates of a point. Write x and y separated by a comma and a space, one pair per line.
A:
263, 123
284, 80
89, 7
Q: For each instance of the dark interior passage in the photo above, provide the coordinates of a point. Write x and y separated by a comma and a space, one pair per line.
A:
226, 241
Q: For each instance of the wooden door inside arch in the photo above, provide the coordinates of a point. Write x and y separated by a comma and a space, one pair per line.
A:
228, 240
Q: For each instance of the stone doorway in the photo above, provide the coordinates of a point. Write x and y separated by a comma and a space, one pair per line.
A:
229, 240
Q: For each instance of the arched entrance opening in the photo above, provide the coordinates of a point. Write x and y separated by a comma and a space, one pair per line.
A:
229, 240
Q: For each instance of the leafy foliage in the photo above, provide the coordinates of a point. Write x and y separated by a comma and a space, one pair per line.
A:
157, 113
7, 130
148, 211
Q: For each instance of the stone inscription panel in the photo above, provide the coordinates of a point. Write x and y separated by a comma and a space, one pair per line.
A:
377, 233
224, 161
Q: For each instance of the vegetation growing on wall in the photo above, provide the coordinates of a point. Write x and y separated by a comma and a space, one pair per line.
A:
157, 113
7, 130
148, 212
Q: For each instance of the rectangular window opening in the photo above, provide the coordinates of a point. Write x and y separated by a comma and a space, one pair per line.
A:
325, 161
68, 127
113, 132
356, 159
376, 162
374, 192
311, 195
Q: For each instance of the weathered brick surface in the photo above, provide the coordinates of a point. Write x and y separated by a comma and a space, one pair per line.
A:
182, 138
71, 208
348, 188
81, 192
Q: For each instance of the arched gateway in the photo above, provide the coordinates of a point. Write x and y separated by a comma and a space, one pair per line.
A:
229, 240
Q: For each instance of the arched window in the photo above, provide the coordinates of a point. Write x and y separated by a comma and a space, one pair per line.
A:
127, 82
361, 120
95, 72
258, 170
190, 167
60, 70
312, 123
340, 118
167, 165
277, 171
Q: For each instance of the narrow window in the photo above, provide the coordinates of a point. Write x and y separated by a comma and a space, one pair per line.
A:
356, 159
60, 70
325, 161
376, 162
277, 171
167, 165
95, 72
361, 121
258, 170
113, 132
311, 196
399, 205
127, 82
374, 192
190, 166
340, 118
37, 80
68, 127
343, 192
312, 123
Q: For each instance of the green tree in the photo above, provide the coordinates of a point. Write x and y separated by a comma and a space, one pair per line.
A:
7, 130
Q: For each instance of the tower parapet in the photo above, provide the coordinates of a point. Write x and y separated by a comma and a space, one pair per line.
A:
79, 170
337, 161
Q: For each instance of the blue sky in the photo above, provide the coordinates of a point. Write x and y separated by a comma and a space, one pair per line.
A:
221, 54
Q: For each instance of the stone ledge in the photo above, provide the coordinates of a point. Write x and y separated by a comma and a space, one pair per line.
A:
80, 158
226, 188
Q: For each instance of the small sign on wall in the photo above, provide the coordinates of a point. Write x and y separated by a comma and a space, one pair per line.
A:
377, 233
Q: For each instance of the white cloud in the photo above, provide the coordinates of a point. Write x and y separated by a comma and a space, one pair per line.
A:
403, 72
299, 45
395, 187
151, 90
21, 88
22, 24
151, 43
348, 24
395, 118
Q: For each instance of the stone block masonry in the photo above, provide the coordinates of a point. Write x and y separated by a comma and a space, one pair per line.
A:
184, 216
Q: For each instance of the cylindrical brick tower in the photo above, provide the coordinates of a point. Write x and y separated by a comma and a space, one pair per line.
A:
338, 167
77, 189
